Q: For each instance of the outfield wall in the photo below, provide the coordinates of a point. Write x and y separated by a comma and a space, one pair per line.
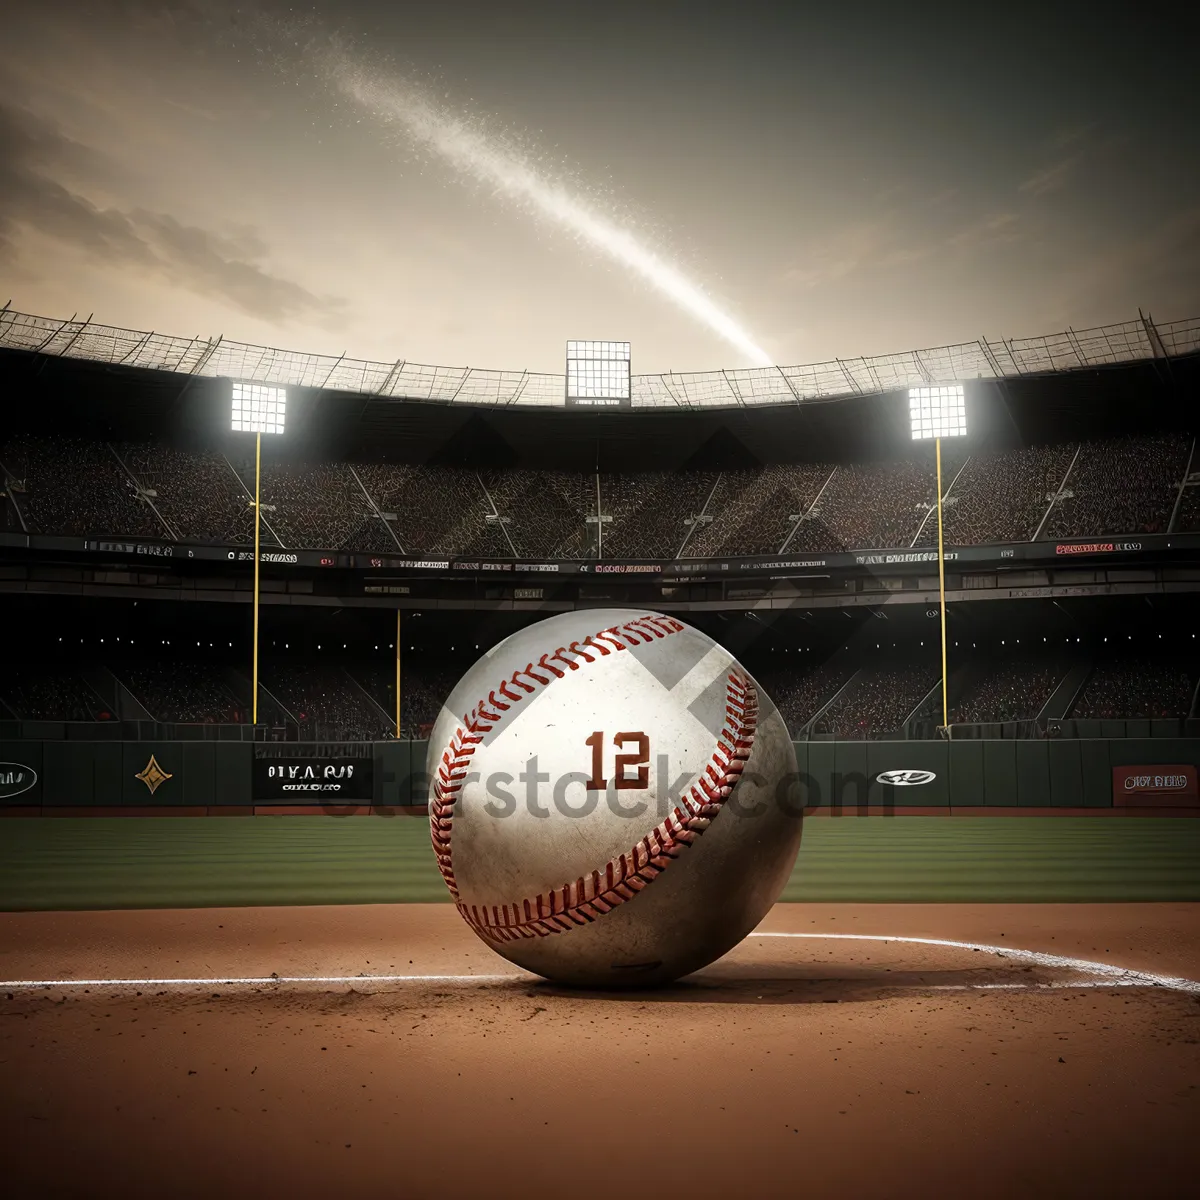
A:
234, 778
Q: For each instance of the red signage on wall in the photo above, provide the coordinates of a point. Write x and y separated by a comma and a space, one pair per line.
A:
1158, 786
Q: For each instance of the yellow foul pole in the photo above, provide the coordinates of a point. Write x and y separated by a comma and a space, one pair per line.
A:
397, 672
257, 512
942, 587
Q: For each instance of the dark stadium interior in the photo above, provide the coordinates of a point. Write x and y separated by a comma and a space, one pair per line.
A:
862, 674
99, 402
96, 451
850, 652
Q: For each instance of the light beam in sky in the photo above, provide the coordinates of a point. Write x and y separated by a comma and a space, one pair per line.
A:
497, 161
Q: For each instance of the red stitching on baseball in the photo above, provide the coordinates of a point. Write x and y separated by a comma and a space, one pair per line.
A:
587, 898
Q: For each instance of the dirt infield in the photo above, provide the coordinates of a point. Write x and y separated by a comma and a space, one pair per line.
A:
796, 1066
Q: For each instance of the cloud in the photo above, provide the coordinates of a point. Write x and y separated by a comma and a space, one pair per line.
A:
1157, 269
194, 110
994, 229
886, 244
44, 180
1050, 178
1072, 134
848, 252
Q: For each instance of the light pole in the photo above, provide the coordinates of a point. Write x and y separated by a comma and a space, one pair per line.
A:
257, 409
397, 675
939, 412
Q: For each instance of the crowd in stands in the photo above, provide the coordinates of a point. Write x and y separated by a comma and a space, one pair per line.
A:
1189, 509
622, 496
1014, 690
198, 495
423, 691
1136, 688
650, 515
876, 703
319, 505
422, 694
1000, 497
547, 511
1125, 485
752, 510
185, 691
378, 680
438, 510
869, 506
326, 702
800, 694
51, 693
79, 488
355, 701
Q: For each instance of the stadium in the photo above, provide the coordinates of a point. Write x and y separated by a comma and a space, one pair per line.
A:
598, 598
796, 519
410, 519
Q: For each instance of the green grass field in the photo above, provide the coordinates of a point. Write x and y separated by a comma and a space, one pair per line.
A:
63, 863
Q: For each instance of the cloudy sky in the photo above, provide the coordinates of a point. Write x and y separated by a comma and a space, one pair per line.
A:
476, 181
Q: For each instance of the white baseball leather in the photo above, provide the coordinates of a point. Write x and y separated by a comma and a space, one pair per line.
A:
667, 865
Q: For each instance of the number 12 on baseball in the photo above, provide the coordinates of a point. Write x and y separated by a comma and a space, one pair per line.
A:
622, 763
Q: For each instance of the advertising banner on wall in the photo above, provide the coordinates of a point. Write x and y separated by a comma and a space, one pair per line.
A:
19, 780
337, 778
1157, 786
1144, 548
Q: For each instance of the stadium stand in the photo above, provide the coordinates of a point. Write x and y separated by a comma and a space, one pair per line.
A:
751, 510
1188, 520
51, 693
423, 693
379, 682
1000, 497
77, 488
189, 692
198, 494
546, 511
1013, 690
353, 699
870, 505
326, 701
319, 506
1136, 687
876, 702
81, 488
424, 687
439, 510
799, 694
1124, 485
649, 514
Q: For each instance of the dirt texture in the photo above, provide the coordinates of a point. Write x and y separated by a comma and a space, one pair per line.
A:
793, 1067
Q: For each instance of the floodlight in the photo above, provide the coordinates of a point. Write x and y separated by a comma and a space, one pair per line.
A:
937, 412
598, 373
258, 408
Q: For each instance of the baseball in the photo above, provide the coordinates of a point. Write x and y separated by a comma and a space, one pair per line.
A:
614, 800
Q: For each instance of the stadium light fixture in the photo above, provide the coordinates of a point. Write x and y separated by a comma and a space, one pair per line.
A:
598, 374
257, 408
936, 412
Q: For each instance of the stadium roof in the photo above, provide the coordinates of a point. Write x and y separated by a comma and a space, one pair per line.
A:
1129, 342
